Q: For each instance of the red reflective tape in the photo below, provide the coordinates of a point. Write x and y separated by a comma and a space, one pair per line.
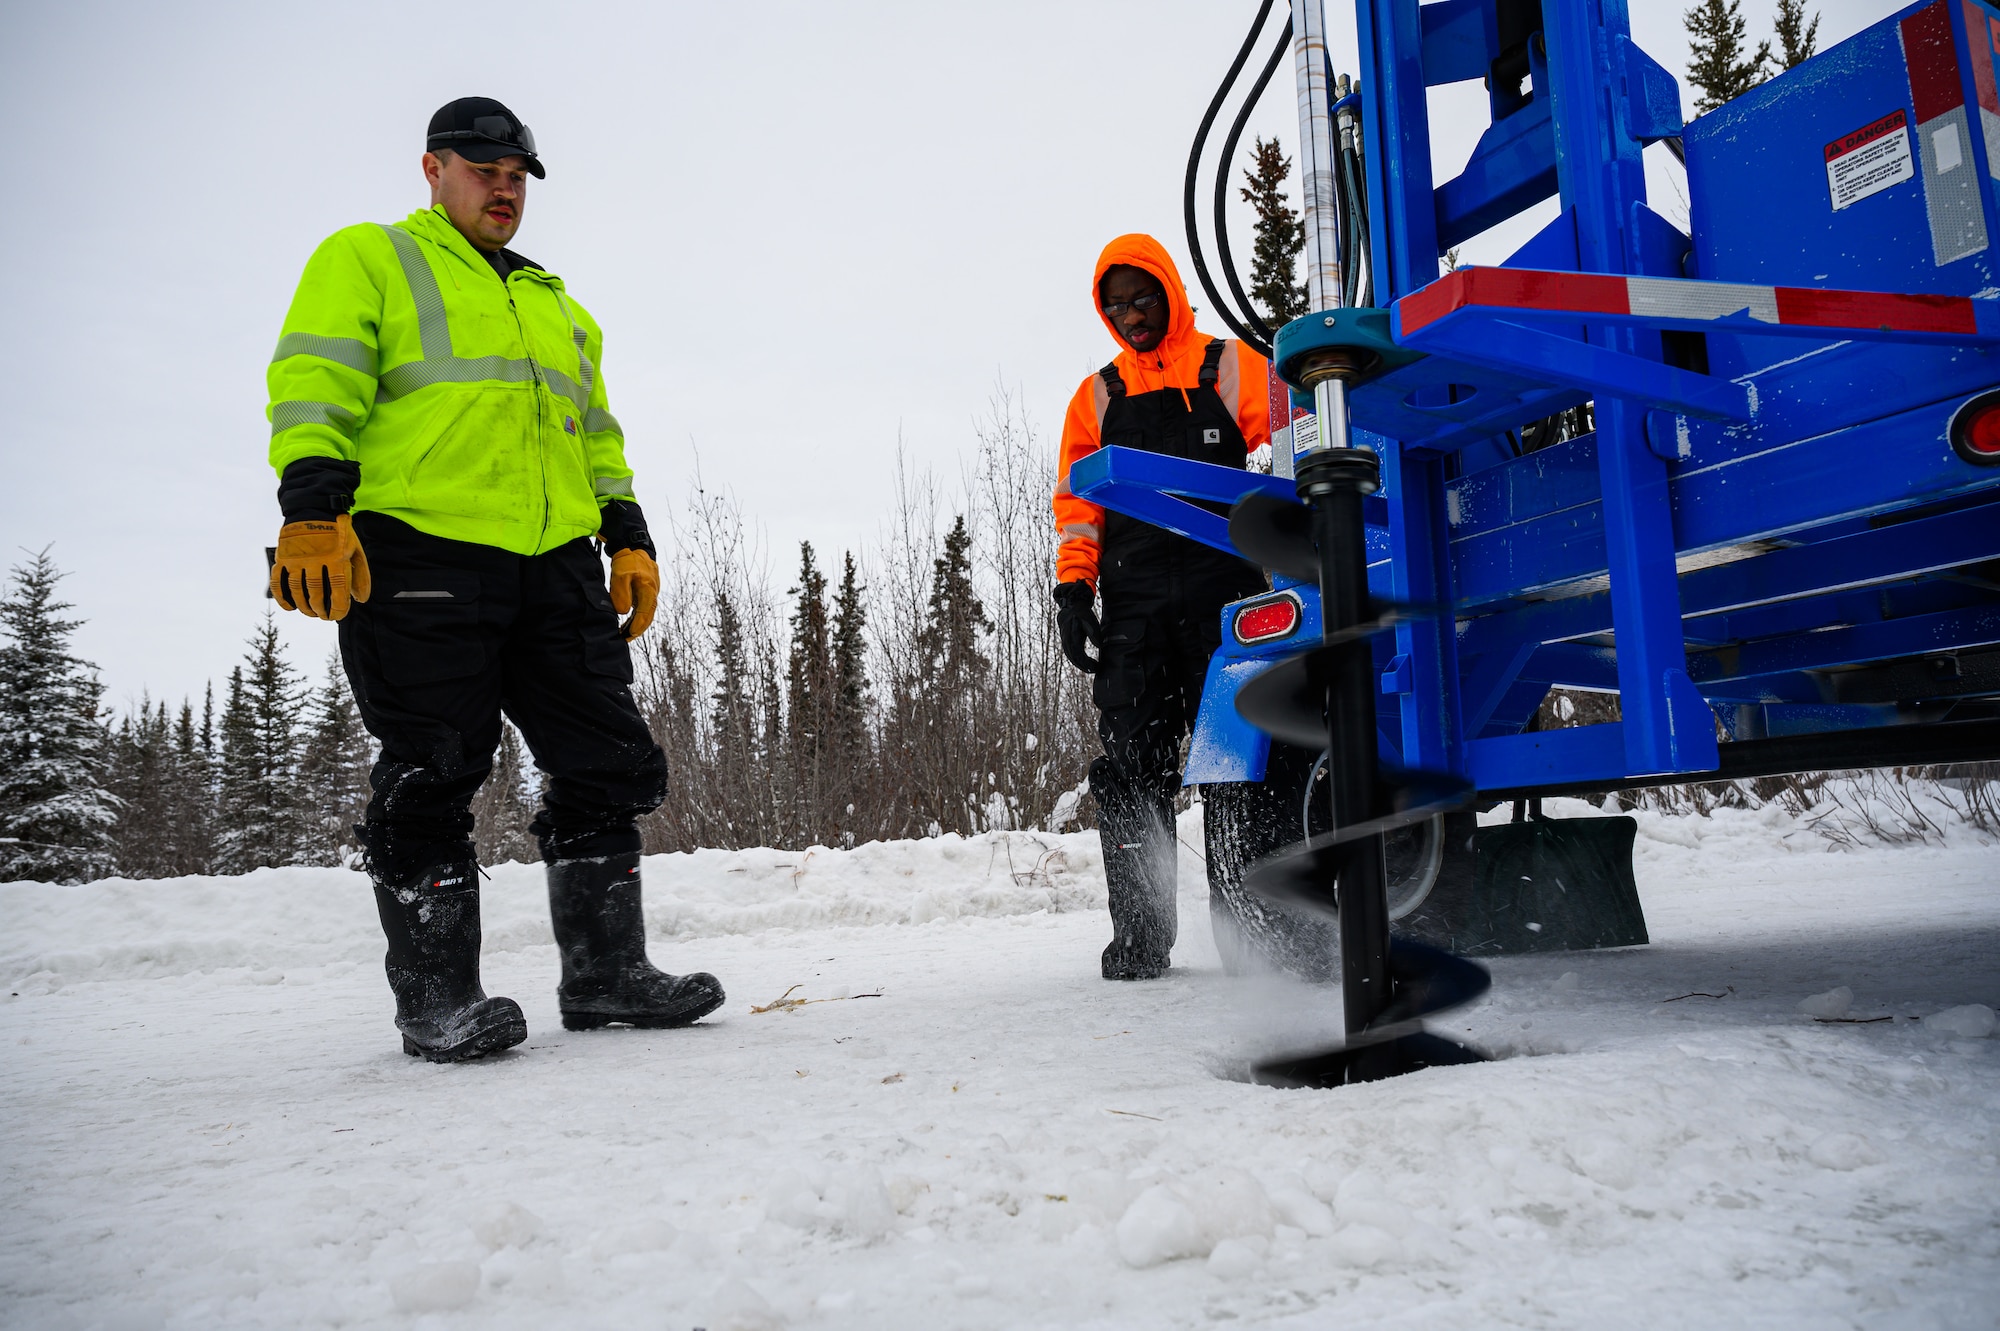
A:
1429, 304
1514, 288
1876, 309
1932, 56
1981, 50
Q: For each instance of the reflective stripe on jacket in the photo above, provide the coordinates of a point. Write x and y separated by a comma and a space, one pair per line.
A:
1175, 363
474, 406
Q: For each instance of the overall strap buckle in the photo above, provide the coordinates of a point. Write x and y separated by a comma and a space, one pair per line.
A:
1211, 363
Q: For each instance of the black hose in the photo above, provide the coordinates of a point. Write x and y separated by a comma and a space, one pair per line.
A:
1222, 254
1194, 168
1355, 197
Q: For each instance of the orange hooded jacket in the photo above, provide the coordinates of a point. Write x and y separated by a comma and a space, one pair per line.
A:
1175, 363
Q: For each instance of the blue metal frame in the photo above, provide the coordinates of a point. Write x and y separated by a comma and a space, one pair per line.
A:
1723, 540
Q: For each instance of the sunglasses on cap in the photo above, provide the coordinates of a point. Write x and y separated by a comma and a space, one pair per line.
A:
494, 129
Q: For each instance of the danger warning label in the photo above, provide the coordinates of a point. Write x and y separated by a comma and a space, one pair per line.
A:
1869, 160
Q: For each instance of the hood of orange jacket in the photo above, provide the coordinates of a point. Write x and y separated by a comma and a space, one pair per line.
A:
1143, 252
1174, 364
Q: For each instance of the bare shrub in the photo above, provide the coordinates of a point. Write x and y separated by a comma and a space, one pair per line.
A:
964, 718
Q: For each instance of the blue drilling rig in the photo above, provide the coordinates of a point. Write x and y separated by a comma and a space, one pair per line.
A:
1744, 477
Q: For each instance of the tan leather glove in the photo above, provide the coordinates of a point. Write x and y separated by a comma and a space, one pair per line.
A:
320, 568
635, 589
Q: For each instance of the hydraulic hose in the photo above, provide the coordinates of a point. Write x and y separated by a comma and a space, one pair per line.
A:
1222, 254
1229, 316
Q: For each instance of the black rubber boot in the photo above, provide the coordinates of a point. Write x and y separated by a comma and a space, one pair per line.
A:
594, 905
432, 924
1136, 830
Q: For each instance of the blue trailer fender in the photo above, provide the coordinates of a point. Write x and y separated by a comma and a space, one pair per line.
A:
1225, 747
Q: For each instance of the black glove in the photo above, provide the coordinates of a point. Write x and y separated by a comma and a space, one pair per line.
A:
625, 528
317, 489
1076, 620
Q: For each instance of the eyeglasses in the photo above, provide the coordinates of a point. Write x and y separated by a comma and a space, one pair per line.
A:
1151, 302
495, 129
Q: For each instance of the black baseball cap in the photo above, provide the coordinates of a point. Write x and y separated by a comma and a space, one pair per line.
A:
480, 129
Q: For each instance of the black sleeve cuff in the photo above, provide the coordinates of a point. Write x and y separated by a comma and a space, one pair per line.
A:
625, 529
318, 489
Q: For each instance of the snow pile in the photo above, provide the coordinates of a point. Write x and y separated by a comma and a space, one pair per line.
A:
277, 919
1778, 1114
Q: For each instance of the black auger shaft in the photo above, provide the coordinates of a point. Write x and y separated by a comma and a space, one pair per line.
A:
1332, 481
1326, 695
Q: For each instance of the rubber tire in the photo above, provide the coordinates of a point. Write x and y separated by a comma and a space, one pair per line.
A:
1242, 822
1245, 821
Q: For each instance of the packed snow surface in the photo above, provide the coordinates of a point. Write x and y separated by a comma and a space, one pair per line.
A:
1780, 1114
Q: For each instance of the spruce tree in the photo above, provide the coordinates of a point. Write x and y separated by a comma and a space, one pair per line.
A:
774, 798
950, 657
56, 818
1797, 38
733, 717
139, 770
1281, 236
809, 673
850, 670
810, 698
260, 810
333, 773
1717, 64
191, 795
504, 807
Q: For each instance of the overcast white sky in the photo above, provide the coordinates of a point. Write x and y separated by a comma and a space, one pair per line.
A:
807, 229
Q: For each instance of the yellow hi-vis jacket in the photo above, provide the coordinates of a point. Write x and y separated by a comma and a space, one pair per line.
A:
473, 406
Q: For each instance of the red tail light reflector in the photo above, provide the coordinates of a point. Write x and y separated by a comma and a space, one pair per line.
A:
1975, 430
1261, 621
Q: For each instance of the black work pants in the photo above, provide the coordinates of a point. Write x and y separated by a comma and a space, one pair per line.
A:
454, 634
1161, 626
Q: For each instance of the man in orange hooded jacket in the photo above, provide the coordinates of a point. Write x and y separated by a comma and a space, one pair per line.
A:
1177, 391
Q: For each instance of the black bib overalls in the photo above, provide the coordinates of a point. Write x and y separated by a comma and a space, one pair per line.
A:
1163, 596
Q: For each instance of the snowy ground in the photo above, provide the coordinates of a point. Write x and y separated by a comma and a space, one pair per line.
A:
206, 1120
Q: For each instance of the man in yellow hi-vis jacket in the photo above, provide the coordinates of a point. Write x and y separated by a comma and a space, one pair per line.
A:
446, 456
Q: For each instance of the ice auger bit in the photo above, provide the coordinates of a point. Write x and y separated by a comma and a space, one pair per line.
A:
1325, 698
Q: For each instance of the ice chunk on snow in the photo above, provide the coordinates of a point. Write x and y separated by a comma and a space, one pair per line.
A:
792, 1200
1233, 1259
1842, 1150
1973, 1021
737, 1307
1293, 1205
141, 1318
1104, 1192
1567, 982
1229, 1203
1363, 1201
854, 1201
435, 1287
904, 1190
1365, 1245
860, 1202
1159, 1227
1188, 1217
1324, 1180
506, 1225
1831, 1005
538, 1276
642, 1236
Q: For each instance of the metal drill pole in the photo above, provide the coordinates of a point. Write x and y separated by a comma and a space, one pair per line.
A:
1332, 476
1316, 157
